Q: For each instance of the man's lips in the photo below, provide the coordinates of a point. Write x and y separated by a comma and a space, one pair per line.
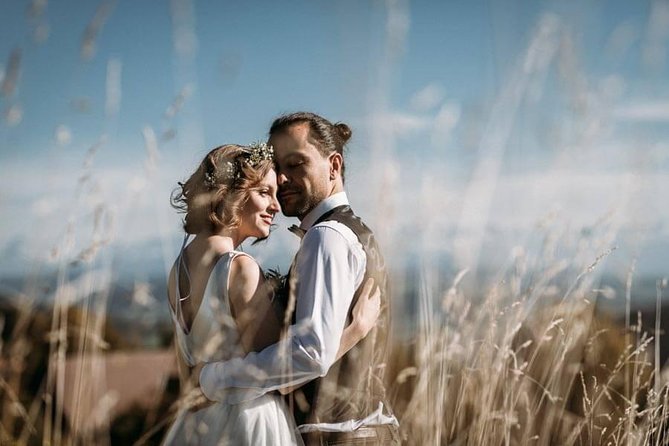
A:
287, 194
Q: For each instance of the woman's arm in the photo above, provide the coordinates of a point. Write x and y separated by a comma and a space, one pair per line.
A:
259, 326
250, 299
365, 313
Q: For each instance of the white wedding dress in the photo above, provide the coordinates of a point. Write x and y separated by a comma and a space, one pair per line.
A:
214, 337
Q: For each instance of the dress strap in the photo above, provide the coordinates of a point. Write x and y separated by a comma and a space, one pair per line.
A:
177, 304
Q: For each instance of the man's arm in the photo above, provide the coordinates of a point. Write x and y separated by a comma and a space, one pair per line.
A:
365, 314
331, 264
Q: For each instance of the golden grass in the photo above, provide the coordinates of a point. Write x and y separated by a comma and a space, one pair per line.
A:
530, 363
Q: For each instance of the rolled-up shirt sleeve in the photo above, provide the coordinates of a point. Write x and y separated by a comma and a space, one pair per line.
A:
330, 267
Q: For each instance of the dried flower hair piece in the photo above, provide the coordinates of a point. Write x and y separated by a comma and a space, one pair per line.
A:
209, 179
231, 170
259, 152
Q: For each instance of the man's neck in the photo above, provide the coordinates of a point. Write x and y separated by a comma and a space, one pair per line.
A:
321, 208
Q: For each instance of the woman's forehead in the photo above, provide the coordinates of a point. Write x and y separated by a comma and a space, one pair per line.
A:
270, 178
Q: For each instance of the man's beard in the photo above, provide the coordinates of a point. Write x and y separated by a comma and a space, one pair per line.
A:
298, 208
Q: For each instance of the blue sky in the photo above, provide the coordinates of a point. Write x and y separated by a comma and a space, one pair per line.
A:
473, 120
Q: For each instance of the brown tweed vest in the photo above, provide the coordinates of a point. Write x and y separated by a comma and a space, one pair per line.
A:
354, 385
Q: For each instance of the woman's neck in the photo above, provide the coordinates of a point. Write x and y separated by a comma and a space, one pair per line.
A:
222, 242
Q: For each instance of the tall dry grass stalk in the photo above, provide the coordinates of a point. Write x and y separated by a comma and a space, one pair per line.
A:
72, 323
530, 363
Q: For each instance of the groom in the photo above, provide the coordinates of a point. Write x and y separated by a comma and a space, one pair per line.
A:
343, 401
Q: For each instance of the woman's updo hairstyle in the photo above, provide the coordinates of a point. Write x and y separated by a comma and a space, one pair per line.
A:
215, 193
330, 137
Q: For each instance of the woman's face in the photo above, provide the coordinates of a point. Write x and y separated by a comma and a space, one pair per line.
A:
258, 212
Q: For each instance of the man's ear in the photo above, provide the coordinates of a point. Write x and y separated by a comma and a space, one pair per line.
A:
336, 162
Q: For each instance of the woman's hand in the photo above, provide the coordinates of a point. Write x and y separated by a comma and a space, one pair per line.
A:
365, 314
194, 374
368, 308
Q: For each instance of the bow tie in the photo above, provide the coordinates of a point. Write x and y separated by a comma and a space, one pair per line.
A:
297, 231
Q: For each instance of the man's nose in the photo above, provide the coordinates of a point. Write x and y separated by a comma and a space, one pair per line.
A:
281, 179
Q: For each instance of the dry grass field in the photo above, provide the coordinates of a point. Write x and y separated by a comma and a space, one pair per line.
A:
526, 362
471, 124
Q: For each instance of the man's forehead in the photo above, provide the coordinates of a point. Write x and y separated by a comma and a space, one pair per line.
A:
284, 145
298, 131
292, 140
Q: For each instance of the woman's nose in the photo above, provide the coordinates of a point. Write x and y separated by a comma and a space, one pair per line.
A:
274, 205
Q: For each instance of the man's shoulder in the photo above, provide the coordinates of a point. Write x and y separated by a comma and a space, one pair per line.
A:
331, 230
332, 238
350, 219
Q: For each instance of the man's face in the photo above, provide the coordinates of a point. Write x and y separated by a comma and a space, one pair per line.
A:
303, 174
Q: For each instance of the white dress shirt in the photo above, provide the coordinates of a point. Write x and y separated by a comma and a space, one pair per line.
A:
330, 265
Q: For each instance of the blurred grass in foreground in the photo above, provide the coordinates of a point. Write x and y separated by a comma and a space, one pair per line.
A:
525, 361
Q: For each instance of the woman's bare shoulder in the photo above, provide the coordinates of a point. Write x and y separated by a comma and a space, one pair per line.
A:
245, 277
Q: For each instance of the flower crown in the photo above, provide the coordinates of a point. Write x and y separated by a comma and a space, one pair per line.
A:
252, 155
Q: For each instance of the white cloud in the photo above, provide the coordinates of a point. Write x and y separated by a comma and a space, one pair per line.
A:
68, 198
521, 200
427, 98
63, 135
653, 111
45, 206
445, 122
429, 196
401, 124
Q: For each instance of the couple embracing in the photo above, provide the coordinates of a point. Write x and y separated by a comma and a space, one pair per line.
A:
279, 362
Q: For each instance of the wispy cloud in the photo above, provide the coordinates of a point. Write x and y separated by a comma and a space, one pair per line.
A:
650, 111
429, 115
445, 122
401, 124
654, 51
427, 98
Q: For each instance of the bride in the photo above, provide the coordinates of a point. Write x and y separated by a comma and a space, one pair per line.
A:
221, 303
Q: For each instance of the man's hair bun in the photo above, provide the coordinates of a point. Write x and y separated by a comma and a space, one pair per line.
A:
343, 131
